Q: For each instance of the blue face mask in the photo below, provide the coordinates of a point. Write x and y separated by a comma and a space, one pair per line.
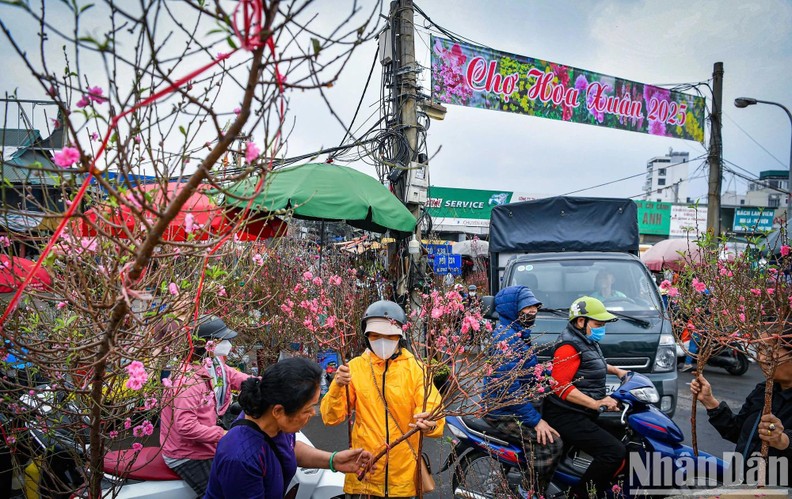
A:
597, 333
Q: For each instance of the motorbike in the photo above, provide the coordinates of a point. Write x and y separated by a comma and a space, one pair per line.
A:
489, 464
130, 474
732, 358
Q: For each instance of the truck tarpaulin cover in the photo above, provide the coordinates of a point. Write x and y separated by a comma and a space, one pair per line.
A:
565, 224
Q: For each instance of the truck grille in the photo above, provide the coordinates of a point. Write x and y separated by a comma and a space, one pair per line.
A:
629, 362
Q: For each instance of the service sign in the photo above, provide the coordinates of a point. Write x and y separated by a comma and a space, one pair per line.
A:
473, 76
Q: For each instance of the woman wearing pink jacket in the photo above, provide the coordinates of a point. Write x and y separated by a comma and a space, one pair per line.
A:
197, 394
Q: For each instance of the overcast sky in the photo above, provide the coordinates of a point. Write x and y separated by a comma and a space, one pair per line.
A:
651, 42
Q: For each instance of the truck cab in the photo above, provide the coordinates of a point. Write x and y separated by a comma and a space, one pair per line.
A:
641, 340
564, 248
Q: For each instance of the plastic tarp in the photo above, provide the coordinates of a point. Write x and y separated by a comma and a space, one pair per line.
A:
565, 223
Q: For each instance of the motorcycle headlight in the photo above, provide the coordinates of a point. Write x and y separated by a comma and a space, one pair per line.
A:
648, 394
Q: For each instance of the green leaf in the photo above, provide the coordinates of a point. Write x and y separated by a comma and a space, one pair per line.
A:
231, 42
317, 46
86, 7
183, 131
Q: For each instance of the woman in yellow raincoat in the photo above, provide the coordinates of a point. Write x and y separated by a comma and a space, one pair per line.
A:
387, 392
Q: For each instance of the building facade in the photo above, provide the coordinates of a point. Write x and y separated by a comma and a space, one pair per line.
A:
667, 178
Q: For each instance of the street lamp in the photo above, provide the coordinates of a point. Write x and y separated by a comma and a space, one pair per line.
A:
749, 101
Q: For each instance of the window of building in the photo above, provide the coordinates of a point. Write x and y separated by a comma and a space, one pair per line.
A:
742, 201
659, 200
661, 181
661, 172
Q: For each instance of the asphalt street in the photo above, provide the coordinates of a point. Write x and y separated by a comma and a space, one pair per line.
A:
732, 389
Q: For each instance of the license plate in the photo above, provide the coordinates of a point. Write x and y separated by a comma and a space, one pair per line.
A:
611, 387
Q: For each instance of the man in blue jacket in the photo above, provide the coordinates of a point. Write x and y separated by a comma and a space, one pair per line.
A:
511, 345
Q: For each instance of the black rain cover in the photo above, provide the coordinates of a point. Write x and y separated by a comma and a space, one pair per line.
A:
565, 224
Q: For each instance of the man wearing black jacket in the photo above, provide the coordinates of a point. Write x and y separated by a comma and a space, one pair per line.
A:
749, 428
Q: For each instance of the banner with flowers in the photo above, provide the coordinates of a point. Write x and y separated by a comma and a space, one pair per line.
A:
473, 76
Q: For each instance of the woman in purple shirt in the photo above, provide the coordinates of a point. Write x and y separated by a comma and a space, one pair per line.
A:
259, 455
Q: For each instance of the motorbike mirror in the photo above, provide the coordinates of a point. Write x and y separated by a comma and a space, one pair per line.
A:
488, 308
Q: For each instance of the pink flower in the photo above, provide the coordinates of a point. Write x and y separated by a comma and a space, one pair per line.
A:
137, 446
237, 110
222, 291
251, 152
615, 489
173, 289
137, 139
137, 375
331, 321
10, 440
665, 285
83, 102
61, 304
307, 276
113, 434
441, 342
95, 94
699, 286
742, 317
673, 292
756, 292
167, 383
785, 250
436, 312
222, 55
4, 242
770, 291
66, 157
317, 281
334, 280
258, 259
128, 423
94, 136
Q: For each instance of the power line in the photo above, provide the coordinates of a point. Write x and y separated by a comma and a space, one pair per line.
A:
626, 178
755, 141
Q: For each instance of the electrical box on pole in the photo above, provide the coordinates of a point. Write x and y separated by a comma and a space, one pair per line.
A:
417, 186
385, 47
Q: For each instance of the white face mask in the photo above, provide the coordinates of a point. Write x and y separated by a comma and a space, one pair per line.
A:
384, 349
222, 349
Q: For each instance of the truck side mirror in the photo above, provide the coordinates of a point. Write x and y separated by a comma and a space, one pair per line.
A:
488, 308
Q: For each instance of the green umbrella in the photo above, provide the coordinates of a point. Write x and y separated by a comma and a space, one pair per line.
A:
320, 191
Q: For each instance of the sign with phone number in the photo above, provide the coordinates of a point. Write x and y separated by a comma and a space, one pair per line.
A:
480, 77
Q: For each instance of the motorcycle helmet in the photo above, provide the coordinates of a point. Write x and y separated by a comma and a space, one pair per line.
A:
591, 308
384, 309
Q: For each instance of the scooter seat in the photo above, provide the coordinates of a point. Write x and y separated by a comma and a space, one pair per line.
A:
146, 465
482, 426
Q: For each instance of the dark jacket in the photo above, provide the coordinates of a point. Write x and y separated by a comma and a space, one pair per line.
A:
508, 303
741, 428
592, 372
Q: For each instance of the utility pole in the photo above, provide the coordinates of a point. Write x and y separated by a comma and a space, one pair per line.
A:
715, 152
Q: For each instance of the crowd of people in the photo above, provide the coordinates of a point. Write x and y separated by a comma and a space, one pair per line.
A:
384, 392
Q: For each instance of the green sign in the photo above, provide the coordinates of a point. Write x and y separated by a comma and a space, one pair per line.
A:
654, 218
753, 220
473, 76
452, 203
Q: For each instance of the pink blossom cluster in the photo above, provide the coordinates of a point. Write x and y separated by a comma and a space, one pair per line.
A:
137, 375
95, 94
143, 430
66, 157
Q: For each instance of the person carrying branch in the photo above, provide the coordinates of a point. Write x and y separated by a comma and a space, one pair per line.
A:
385, 387
511, 343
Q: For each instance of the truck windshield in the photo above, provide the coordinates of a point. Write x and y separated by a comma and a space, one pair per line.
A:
623, 286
